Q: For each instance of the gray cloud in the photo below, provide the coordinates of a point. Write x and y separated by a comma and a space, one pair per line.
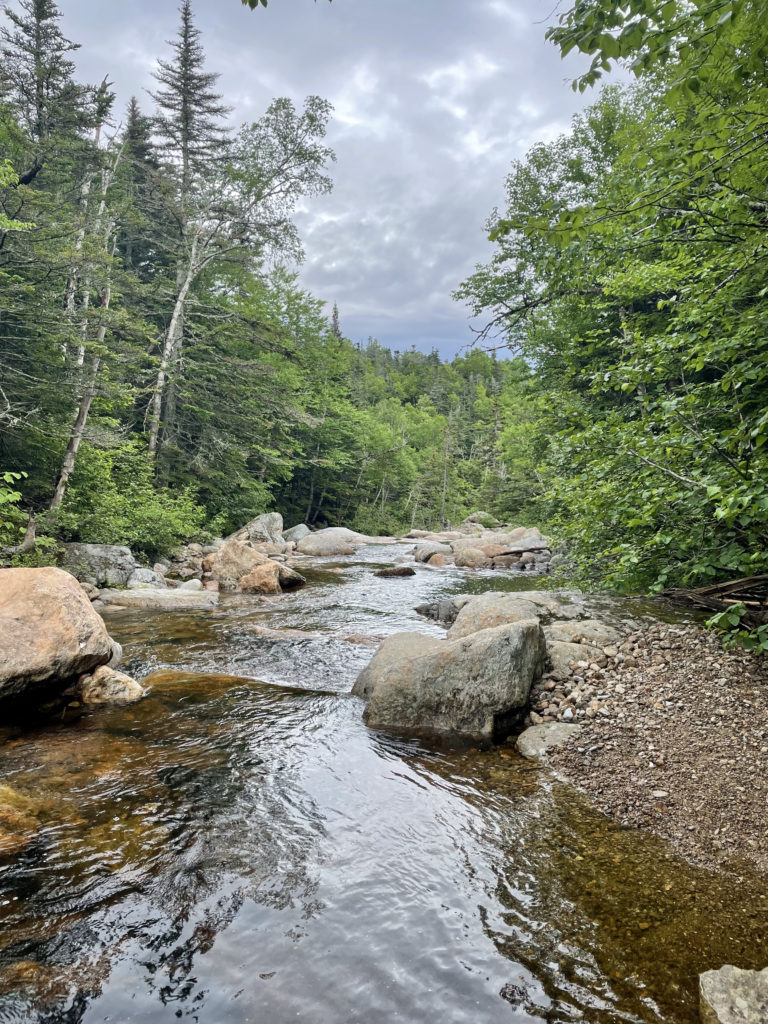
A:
433, 100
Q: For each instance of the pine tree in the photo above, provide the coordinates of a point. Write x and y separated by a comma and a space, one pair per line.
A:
36, 74
335, 325
190, 116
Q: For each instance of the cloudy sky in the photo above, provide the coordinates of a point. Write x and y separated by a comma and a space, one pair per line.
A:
433, 99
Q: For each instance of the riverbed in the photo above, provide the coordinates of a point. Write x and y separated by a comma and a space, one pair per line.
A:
238, 847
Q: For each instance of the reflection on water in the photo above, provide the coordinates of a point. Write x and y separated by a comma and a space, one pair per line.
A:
233, 851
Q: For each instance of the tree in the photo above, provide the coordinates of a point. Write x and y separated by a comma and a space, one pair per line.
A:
190, 113
37, 81
652, 34
253, 4
335, 325
242, 212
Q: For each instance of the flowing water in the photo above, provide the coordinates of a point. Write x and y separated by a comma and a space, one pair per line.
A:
238, 847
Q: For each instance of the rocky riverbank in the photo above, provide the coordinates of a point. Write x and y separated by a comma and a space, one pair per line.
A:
673, 740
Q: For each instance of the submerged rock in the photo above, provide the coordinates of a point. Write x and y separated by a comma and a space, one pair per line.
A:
160, 600
395, 572
100, 564
18, 821
49, 631
106, 686
474, 687
734, 996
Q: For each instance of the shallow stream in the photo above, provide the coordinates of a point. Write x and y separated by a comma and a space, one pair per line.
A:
231, 850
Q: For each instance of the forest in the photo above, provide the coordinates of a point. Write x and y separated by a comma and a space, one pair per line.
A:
163, 375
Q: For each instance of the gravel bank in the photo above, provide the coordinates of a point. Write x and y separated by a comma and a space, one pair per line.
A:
674, 741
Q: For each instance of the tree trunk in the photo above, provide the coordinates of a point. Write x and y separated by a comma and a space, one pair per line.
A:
311, 497
445, 478
170, 352
81, 419
78, 430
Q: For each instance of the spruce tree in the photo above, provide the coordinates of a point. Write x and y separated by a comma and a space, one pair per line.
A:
36, 74
190, 111
335, 324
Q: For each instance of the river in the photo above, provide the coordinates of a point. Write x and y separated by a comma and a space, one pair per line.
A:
238, 847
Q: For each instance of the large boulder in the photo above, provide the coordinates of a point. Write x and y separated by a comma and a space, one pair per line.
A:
141, 579
233, 561
264, 529
490, 610
265, 579
296, 533
474, 687
103, 565
395, 650
733, 996
423, 552
49, 632
472, 558
334, 541
494, 608
482, 519
290, 579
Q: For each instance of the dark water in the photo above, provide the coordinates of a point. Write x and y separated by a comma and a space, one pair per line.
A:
230, 850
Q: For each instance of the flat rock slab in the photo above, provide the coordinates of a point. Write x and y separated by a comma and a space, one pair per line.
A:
589, 631
535, 742
734, 996
159, 600
495, 608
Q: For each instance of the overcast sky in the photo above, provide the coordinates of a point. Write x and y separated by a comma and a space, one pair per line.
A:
433, 100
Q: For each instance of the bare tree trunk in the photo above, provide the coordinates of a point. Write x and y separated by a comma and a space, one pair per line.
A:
311, 497
76, 436
84, 408
170, 351
445, 477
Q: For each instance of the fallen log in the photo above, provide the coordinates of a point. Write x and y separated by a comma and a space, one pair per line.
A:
751, 591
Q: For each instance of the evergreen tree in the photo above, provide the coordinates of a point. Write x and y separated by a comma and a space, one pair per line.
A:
335, 325
36, 75
191, 112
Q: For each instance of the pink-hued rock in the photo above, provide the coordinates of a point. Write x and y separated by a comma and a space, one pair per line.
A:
49, 632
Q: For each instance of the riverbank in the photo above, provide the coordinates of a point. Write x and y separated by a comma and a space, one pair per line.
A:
677, 744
